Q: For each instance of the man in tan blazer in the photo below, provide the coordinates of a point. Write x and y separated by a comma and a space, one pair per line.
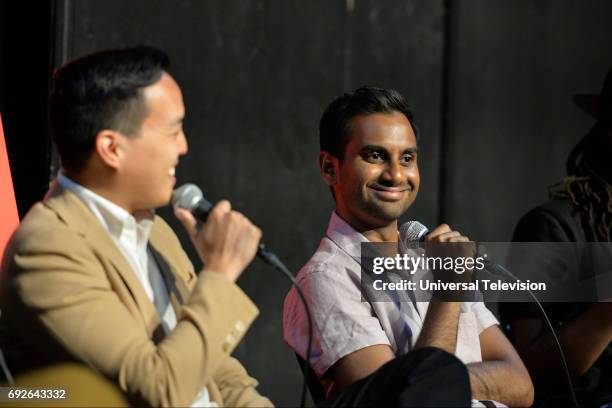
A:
93, 275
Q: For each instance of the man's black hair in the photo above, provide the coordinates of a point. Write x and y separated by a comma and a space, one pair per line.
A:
100, 91
334, 127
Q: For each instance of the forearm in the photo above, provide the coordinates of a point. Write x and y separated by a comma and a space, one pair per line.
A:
500, 381
585, 339
440, 326
169, 373
441, 323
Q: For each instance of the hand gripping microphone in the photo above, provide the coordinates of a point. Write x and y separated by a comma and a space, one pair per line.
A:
413, 231
190, 197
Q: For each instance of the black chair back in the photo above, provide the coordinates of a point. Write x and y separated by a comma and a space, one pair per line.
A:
314, 386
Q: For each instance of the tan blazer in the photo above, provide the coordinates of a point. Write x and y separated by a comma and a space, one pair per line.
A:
69, 293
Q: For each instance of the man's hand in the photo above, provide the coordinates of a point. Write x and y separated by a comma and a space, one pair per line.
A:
443, 243
226, 243
441, 322
444, 234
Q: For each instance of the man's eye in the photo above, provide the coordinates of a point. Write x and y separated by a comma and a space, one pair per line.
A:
375, 156
407, 158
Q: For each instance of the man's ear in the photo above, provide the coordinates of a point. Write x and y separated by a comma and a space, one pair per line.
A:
108, 147
329, 166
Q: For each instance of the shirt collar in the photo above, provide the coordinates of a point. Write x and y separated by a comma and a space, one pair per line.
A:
350, 240
114, 218
345, 236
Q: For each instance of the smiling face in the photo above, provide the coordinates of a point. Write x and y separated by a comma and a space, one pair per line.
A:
378, 177
149, 159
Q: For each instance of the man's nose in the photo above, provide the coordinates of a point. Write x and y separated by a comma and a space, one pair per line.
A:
394, 173
182, 144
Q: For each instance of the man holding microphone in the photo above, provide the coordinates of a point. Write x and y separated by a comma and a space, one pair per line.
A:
368, 159
93, 275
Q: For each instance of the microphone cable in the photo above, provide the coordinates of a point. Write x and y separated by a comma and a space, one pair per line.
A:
273, 260
190, 197
503, 271
414, 231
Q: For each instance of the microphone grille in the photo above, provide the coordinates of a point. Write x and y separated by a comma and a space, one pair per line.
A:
186, 196
412, 231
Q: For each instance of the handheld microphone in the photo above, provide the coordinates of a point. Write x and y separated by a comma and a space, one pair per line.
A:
190, 197
413, 231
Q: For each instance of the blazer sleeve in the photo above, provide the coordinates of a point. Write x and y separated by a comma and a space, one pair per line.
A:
237, 387
58, 283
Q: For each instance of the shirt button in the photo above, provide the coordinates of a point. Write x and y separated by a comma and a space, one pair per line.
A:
239, 326
230, 339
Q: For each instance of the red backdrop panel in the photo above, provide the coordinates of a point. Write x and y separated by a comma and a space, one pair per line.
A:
9, 218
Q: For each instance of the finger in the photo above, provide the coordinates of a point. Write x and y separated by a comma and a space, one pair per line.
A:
241, 218
257, 233
440, 229
460, 238
445, 236
222, 208
234, 219
449, 235
186, 218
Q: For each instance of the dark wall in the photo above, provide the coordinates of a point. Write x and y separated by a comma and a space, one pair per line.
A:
512, 122
25, 52
490, 82
256, 77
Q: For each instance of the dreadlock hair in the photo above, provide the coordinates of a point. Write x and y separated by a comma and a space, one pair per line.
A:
586, 189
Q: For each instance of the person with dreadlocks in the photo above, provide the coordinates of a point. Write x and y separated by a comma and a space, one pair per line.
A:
579, 211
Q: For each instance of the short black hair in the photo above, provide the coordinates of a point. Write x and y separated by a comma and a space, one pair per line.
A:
100, 91
334, 126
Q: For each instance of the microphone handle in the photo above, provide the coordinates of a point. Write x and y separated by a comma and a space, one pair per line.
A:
200, 213
501, 271
201, 209
268, 256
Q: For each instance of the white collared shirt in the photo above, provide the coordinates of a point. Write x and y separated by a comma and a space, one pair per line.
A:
343, 322
132, 237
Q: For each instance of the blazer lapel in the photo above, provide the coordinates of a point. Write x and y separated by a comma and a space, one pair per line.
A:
73, 211
174, 294
178, 288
